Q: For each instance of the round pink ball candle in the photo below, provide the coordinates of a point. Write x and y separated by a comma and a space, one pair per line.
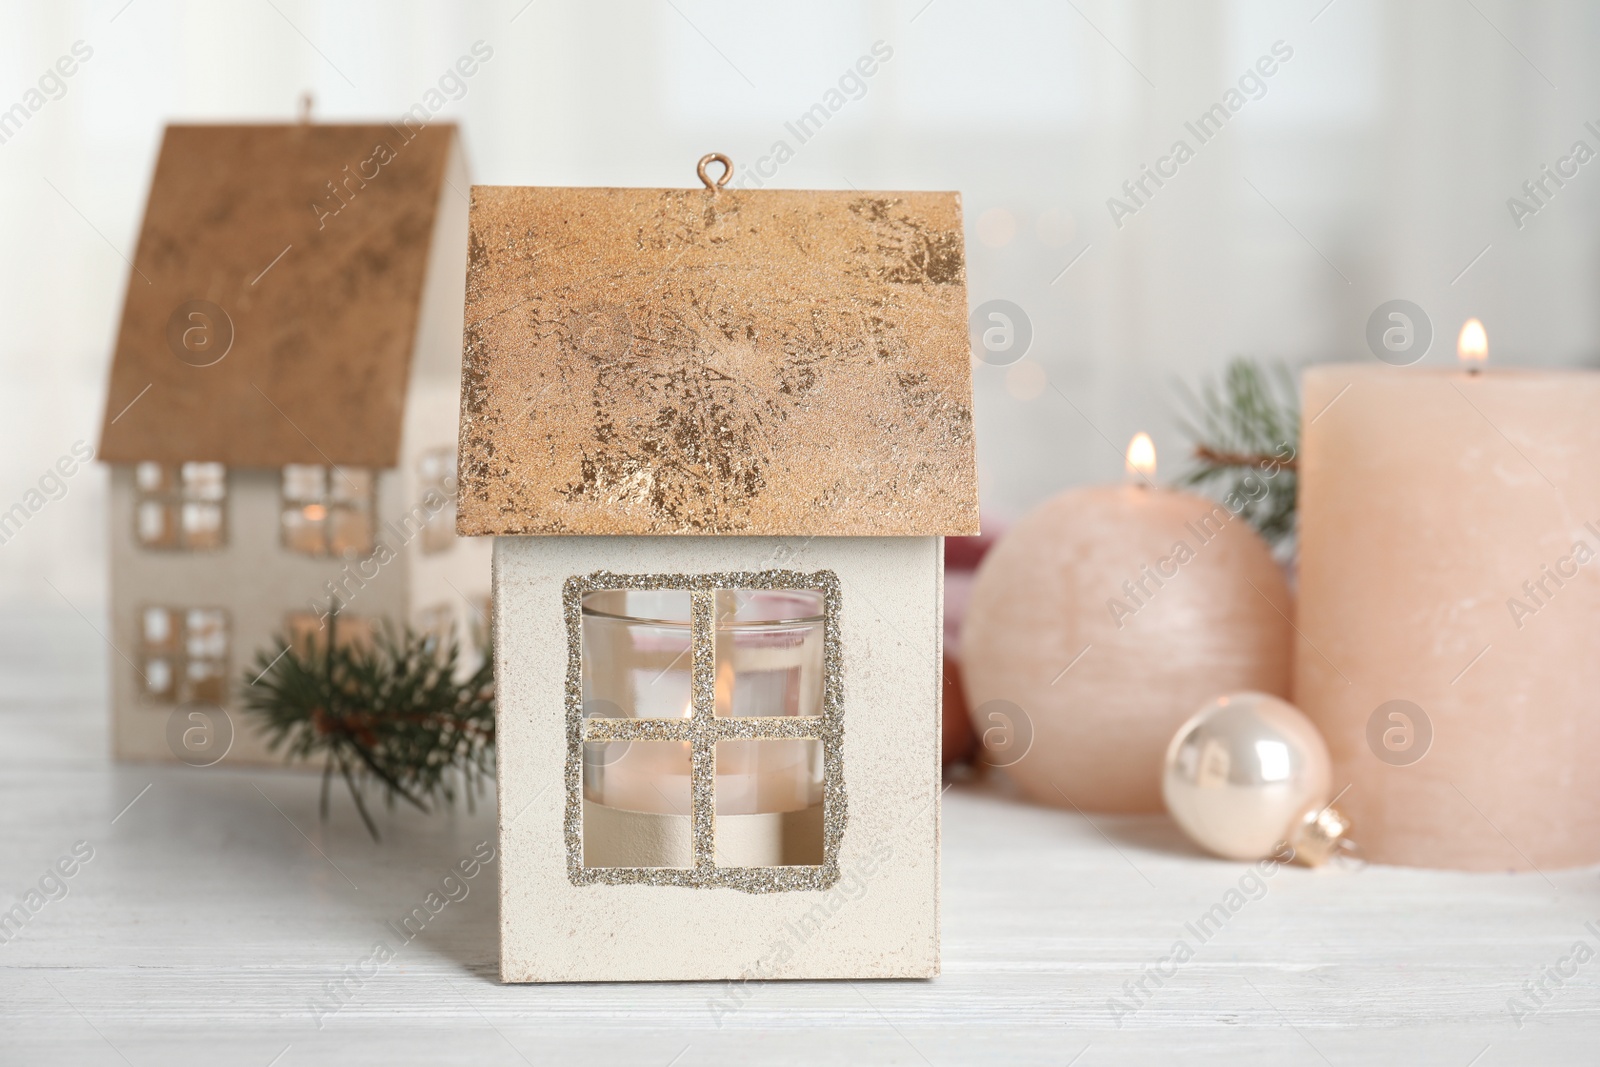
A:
1107, 617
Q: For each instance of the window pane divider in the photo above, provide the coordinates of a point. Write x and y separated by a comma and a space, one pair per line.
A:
703, 729
767, 728
703, 690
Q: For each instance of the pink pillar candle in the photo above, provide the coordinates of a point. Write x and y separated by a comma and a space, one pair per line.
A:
1450, 560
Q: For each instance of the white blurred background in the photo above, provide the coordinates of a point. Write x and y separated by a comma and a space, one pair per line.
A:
1377, 165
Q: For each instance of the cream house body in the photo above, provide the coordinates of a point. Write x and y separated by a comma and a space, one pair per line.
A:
281, 416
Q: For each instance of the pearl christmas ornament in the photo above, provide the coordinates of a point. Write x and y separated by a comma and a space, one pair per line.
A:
1249, 772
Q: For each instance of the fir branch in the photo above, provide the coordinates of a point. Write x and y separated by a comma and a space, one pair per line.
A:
392, 713
1246, 433
1214, 458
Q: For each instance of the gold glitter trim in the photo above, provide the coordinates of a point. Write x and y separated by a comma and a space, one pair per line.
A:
703, 729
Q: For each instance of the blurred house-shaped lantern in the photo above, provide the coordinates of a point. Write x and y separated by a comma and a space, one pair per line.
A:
281, 416
719, 436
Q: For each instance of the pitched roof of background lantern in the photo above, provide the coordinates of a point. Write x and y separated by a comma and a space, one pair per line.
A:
668, 361
324, 305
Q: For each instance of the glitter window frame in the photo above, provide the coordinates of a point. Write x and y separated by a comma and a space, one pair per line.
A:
704, 728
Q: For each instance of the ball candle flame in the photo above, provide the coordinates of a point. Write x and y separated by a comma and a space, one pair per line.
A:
1141, 458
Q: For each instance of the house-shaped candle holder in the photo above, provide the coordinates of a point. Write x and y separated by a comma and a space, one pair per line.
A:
719, 436
281, 416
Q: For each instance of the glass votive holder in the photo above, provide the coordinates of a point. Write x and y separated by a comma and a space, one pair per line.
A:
637, 658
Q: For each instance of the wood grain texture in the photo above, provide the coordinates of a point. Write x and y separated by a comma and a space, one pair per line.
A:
206, 928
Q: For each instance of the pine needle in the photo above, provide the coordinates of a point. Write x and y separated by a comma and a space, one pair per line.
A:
392, 715
1246, 433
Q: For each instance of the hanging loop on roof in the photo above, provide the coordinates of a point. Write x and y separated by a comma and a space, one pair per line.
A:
306, 100
727, 170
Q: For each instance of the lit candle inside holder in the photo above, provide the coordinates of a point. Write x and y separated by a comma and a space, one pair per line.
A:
1103, 620
637, 659
1449, 520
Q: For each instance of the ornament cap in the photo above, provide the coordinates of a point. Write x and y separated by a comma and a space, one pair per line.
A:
1321, 833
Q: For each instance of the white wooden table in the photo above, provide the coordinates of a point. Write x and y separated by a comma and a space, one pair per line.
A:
216, 909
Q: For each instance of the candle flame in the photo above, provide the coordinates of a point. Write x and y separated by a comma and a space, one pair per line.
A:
1472, 347
1141, 457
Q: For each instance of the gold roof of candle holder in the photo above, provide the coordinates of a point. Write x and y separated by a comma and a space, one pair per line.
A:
314, 241
716, 361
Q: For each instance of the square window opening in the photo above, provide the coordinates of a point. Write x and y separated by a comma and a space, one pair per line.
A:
180, 506
307, 631
328, 511
637, 654
769, 803
704, 719
637, 799
184, 654
769, 652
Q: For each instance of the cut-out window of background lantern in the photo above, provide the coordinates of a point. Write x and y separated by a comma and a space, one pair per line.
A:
184, 654
307, 631
180, 506
759, 740
436, 478
327, 511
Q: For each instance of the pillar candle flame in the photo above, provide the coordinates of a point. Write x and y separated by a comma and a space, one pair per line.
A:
1472, 347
